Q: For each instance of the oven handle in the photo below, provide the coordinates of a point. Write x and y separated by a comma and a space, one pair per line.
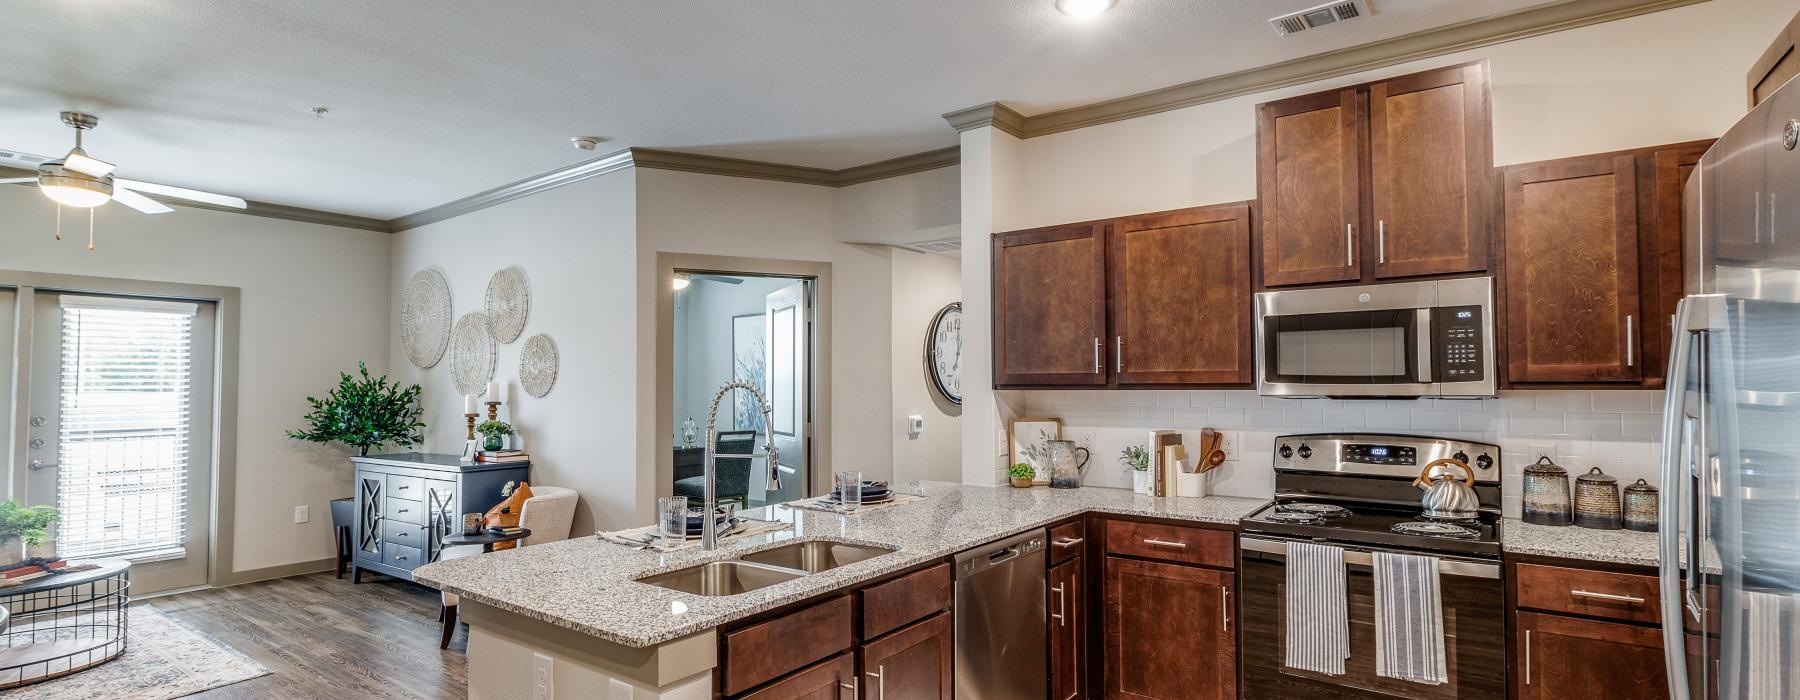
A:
1447, 567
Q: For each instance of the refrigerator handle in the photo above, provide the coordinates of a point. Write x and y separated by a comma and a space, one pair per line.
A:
1669, 535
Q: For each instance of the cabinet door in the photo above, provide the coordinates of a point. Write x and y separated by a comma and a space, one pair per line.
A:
370, 492
1050, 306
442, 519
831, 679
1168, 631
1309, 187
1429, 165
1662, 174
1566, 657
1068, 648
1571, 271
915, 662
1180, 284
1779, 63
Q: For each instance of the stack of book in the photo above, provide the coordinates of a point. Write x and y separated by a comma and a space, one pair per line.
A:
505, 530
502, 456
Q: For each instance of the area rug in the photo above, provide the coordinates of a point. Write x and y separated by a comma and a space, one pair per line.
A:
163, 659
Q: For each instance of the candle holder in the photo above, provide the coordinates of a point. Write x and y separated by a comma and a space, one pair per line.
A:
470, 417
493, 410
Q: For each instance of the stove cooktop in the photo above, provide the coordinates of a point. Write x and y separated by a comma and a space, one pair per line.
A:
1375, 525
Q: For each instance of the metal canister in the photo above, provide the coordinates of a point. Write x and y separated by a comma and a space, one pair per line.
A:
1546, 493
1597, 501
1640, 507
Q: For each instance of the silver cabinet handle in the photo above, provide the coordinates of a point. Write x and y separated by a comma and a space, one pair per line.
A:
854, 686
1165, 543
1349, 245
880, 675
1058, 615
1068, 541
38, 464
1527, 657
1225, 609
1606, 596
1098, 366
1118, 353
1381, 242
1630, 343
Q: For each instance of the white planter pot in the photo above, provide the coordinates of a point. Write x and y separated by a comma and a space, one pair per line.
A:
1140, 481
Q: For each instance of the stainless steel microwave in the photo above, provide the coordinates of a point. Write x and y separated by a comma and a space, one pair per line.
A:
1410, 339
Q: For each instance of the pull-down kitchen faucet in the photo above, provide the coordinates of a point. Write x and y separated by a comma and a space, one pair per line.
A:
708, 526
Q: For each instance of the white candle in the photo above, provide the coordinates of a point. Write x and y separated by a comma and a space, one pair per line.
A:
468, 403
493, 391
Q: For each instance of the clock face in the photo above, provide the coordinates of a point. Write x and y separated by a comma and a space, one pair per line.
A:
943, 351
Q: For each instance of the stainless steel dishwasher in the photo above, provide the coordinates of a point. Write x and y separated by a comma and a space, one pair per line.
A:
1001, 632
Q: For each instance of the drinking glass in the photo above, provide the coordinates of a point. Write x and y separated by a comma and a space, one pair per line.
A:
672, 518
849, 491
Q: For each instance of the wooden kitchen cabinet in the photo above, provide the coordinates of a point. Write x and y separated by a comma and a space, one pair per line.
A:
1384, 180
1169, 631
1429, 169
1567, 657
1662, 174
1049, 287
915, 662
1779, 63
1068, 620
1571, 271
1180, 297
827, 680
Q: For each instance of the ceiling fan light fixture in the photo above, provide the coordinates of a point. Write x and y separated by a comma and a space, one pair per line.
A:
78, 192
1084, 9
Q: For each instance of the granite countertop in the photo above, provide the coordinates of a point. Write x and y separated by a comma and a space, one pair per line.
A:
1570, 542
589, 585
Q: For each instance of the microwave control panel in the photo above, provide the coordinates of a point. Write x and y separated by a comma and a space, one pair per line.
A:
1459, 344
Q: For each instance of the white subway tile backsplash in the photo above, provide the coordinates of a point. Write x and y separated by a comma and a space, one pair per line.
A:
1484, 421
1550, 401
1388, 420
1302, 418
1628, 401
1439, 420
1207, 399
1535, 423
1243, 399
1641, 425
1594, 424
1343, 420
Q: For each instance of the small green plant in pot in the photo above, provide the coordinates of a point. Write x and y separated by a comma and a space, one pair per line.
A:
363, 413
1137, 459
493, 434
1021, 475
28, 525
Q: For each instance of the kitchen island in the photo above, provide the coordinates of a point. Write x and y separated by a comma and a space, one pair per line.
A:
578, 603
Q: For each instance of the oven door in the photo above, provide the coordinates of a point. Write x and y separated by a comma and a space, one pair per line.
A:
1474, 630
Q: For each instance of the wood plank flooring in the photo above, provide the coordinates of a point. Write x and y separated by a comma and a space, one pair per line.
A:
324, 638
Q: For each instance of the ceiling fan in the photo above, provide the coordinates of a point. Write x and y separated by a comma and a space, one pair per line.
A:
84, 182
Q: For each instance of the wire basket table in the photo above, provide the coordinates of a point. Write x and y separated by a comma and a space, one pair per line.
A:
64, 623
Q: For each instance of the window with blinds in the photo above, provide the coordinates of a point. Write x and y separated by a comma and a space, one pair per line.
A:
122, 488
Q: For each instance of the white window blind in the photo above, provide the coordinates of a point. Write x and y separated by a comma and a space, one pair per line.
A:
122, 486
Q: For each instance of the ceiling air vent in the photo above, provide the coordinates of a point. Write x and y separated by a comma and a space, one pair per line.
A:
1320, 16
23, 160
948, 246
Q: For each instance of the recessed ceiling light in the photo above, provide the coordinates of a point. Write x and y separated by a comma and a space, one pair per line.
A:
1084, 9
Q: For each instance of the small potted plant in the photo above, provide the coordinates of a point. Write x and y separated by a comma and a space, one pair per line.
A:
1021, 475
363, 413
1137, 460
493, 434
29, 527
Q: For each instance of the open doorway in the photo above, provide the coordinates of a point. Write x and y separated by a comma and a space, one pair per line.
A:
758, 328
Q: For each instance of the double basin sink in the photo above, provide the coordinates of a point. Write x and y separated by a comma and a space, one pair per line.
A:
764, 568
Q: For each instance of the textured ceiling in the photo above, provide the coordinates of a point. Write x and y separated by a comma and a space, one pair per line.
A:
435, 100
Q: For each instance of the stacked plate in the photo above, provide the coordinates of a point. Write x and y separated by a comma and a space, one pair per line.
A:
872, 492
722, 522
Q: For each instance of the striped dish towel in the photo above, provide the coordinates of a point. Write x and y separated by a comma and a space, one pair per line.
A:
1318, 620
1772, 631
1409, 619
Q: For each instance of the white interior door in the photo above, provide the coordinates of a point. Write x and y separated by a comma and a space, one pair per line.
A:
119, 436
787, 329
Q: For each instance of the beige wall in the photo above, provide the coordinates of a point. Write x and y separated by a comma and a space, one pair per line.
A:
314, 303
923, 284
573, 243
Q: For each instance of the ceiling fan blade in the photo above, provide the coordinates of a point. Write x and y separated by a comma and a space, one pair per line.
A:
181, 193
85, 164
139, 202
17, 180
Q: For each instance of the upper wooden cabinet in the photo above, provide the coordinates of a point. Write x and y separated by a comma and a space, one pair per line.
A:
1571, 259
1662, 173
1050, 306
1429, 163
1383, 180
1180, 288
1151, 300
1778, 64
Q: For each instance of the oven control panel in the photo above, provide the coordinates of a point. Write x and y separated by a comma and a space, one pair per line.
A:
1365, 453
1459, 344
1381, 455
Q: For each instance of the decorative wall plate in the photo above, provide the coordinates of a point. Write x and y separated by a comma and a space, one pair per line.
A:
538, 363
425, 318
508, 302
471, 354
943, 351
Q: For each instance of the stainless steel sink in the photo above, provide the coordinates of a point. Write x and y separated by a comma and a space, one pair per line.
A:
722, 578
816, 556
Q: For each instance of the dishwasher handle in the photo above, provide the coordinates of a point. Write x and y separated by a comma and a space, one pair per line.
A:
1000, 553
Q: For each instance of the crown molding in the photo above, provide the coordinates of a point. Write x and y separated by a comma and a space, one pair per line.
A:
895, 167
1463, 36
263, 209
731, 167
611, 162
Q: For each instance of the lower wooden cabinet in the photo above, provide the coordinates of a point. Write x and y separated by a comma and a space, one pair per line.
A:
831, 679
1169, 631
915, 662
1568, 657
1068, 619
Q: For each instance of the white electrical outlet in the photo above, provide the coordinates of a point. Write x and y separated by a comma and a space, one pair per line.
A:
1082, 437
543, 677
302, 514
1229, 443
1001, 447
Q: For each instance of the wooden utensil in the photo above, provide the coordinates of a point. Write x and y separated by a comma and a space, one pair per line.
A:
1211, 454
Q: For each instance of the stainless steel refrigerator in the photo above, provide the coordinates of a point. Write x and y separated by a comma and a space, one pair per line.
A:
1731, 420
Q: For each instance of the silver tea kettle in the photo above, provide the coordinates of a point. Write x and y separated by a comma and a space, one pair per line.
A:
1446, 497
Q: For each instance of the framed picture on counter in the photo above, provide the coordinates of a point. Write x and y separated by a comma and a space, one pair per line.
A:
1028, 437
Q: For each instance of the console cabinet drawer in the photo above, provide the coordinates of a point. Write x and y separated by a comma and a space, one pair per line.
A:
1585, 592
411, 488
772, 648
402, 533
894, 604
401, 556
402, 510
1175, 543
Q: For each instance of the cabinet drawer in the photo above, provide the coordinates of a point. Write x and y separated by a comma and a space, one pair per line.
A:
401, 556
1187, 545
406, 534
889, 606
772, 648
411, 488
827, 679
403, 510
1066, 541
1585, 592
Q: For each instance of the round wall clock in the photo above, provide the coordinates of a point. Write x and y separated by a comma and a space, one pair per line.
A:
943, 351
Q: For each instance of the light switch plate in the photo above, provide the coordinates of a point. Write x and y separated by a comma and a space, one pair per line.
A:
915, 424
302, 514
1001, 448
543, 677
